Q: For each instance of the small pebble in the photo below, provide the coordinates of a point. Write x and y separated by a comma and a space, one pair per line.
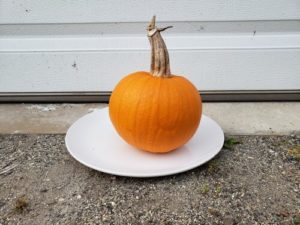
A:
44, 190
112, 204
228, 220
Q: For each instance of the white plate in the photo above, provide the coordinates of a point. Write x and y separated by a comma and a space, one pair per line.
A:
93, 141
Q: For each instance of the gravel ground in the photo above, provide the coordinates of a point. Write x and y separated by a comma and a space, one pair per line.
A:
256, 182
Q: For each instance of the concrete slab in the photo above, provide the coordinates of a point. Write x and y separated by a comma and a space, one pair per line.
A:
235, 118
41, 118
256, 118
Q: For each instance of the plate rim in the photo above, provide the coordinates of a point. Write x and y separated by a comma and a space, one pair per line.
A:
146, 175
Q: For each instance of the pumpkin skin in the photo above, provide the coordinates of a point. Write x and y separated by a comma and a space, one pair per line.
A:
155, 114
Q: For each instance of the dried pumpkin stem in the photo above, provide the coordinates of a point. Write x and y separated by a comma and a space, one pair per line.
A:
160, 64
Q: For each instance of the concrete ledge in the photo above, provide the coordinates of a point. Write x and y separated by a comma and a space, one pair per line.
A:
235, 118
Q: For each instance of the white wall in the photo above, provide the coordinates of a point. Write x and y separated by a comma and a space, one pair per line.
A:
56, 46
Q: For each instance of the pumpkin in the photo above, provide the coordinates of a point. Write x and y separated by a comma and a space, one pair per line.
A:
155, 111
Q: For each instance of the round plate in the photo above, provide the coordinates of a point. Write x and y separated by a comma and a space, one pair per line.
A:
93, 141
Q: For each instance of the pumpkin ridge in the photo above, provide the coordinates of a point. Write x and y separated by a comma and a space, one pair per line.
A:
136, 138
150, 123
180, 116
186, 95
128, 127
167, 87
190, 96
157, 117
120, 104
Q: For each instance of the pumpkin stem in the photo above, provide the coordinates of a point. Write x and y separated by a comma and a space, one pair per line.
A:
160, 64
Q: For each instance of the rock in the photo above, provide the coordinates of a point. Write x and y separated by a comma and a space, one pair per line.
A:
214, 212
2, 204
43, 190
228, 220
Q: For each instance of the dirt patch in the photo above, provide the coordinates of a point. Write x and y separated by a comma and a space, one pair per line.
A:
256, 181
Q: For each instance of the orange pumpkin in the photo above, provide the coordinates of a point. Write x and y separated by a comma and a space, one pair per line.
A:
155, 111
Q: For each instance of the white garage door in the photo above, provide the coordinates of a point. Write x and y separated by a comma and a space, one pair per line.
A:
83, 48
